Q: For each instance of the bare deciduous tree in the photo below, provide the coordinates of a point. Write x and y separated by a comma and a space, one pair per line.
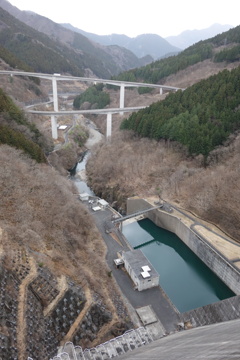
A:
134, 166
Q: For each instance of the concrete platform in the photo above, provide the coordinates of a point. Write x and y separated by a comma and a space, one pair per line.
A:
151, 322
156, 330
147, 315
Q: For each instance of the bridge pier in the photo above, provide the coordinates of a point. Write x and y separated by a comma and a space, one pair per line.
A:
161, 91
122, 94
54, 127
55, 106
109, 126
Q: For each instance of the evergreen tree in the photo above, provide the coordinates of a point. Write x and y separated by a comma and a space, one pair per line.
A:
201, 117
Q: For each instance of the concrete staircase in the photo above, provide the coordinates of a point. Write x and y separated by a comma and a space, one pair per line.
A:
130, 340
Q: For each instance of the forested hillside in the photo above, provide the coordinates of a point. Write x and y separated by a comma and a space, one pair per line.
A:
9, 58
36, 49
17, 131
201, 117
94, 96
223, 47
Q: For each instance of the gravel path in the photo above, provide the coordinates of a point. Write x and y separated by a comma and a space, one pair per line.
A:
22, 304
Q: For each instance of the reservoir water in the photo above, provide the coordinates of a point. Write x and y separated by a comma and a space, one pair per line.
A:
187, 281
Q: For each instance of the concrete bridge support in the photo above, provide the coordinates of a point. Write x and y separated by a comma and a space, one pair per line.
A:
109, 126
122, 94
55, 106
54, 127
161, 91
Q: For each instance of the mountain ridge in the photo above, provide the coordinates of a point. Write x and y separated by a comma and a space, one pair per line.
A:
152, 44
190, 37
141, 45
101, 61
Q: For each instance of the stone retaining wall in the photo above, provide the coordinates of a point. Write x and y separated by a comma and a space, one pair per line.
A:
43, 334
225, 310
9, 288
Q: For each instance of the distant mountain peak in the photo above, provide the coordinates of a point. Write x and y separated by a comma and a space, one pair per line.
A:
141, 45
190, 37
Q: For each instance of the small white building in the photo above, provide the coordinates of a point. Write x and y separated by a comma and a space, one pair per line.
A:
103, 203
96, 208
62, 127
140, 270
84, 196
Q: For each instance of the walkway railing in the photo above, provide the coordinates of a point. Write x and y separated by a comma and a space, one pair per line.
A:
138, 213
129, 341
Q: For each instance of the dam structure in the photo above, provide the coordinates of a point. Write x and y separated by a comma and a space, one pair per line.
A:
207, 245
215, 342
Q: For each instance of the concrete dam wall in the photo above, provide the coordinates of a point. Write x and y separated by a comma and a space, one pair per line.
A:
171, 221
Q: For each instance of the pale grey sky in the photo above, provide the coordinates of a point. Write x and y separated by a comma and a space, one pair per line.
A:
134, 17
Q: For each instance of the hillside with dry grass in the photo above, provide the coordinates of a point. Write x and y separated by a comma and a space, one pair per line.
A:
50, 252
147, 168
54, 283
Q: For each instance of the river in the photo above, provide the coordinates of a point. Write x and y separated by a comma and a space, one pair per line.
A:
80, 178
94, 138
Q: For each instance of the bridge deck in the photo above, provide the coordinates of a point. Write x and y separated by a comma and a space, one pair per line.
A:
135, 214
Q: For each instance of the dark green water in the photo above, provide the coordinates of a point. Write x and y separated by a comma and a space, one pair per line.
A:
187, 281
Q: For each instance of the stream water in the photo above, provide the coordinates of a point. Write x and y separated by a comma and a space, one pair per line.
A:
80, 184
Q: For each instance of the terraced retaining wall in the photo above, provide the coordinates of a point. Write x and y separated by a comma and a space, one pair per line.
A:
41, 333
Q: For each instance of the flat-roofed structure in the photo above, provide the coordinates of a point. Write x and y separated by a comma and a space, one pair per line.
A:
62, 127
103, 203
140, 270
84, 196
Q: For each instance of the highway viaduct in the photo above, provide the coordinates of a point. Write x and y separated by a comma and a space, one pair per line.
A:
58, 77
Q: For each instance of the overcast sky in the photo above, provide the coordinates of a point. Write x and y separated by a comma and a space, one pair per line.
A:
135, 17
